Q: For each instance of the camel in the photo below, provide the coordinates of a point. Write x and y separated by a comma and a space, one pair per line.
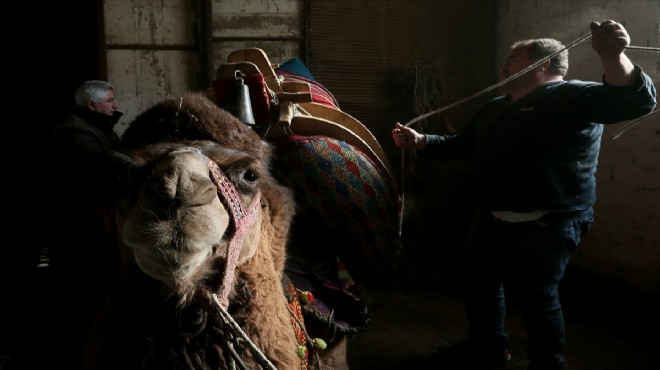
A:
202, 226
342, 178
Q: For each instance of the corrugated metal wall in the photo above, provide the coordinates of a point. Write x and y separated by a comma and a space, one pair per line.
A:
388, 61
369, 53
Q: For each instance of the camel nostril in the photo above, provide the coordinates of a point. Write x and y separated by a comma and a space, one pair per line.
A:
205, 192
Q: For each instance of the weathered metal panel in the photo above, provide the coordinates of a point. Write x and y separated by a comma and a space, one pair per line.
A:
252, 7
281, 19
151, 51
144, 77
276, 26
149, 22
256, 25
277, 51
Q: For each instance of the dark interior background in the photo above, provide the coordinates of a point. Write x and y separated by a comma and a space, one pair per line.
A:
53, 48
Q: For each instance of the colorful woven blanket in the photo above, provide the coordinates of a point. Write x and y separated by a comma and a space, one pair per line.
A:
354, 205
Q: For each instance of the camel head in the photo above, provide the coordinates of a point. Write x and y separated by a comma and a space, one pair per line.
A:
201, 220
201, 200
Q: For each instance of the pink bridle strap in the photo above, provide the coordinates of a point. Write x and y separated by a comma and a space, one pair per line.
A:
242, 221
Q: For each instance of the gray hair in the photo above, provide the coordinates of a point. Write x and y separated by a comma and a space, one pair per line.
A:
540, 48
94, 90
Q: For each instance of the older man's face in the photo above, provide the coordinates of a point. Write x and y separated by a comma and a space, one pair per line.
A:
106, 106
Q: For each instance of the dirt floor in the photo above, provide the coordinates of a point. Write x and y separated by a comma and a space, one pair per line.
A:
607, 326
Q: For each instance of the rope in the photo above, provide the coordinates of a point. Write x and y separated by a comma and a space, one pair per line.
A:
304, 330
255, 351
628, 126
499, 84
479, 93
518, 74
644, 48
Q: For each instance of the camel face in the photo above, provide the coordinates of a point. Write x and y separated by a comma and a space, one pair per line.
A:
180, 218
202, 226
199, 217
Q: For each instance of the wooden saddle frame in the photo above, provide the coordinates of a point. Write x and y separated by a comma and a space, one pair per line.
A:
297, 114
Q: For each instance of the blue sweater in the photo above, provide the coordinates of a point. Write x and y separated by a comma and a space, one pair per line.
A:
540, 153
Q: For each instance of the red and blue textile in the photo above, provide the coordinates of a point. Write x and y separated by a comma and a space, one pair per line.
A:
351, 195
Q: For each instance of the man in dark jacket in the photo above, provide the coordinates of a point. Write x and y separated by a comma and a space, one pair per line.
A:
82, 257
80, 143
535, 152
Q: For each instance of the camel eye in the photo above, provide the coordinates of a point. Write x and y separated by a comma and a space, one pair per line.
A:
250, 176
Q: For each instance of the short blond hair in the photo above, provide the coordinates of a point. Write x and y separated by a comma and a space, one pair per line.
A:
540, 48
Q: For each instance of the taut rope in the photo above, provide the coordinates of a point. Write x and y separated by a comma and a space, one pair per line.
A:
501, 83
263, 360
644, 48
516, 75
627, 127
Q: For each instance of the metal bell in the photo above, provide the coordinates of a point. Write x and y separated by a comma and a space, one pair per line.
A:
238, 101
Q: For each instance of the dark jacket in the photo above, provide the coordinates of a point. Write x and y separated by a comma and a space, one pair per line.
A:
79, 173
78, 242
540, 153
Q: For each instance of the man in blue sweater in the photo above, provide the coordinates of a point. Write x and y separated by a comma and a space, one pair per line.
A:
535, 152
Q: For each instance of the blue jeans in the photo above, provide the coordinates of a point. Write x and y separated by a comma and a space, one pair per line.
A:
526, 260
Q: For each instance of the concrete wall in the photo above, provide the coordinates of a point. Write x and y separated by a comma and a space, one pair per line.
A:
151, 51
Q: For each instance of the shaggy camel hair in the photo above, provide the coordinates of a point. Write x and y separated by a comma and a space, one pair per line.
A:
174, 229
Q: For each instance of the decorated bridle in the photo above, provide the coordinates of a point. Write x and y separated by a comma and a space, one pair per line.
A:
242, 220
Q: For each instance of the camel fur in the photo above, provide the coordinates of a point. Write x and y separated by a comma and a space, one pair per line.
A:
174, 232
